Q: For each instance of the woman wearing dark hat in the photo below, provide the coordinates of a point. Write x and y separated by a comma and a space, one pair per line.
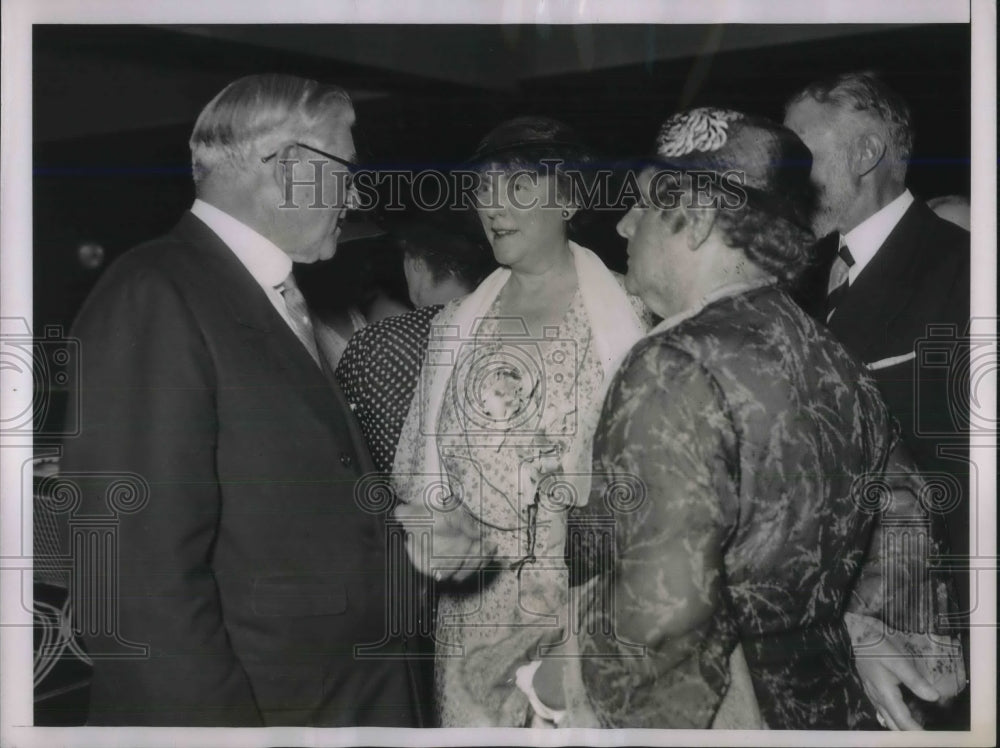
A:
508, 403
753, 435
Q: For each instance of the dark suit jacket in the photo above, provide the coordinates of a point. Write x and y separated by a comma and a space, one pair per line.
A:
250, 572
913, 298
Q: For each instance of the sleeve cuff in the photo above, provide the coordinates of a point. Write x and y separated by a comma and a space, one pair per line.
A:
526, 683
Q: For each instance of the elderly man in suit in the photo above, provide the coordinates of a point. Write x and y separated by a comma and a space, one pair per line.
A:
251, 572
892, 278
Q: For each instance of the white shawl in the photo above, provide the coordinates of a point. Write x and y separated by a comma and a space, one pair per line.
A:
615, 326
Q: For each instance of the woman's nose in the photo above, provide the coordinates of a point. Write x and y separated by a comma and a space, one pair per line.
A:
493, 203
626, 225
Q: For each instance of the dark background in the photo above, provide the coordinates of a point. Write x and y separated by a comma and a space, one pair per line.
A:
113, 106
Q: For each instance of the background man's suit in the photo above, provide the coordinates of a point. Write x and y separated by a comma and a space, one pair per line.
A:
252, 573
918, 277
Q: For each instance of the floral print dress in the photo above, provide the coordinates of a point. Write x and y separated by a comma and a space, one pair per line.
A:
754, 437
511, 400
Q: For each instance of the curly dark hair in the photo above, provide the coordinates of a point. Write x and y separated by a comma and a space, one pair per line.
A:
781, 247
774, 244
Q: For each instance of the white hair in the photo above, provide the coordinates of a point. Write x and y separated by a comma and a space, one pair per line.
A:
865, 93
255, 115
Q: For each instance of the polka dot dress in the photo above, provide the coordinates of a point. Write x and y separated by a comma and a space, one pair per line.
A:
379, 373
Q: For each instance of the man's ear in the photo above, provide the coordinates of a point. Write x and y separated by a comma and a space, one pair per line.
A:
417, 277
283, 173
867, 152
700, 222
412, 264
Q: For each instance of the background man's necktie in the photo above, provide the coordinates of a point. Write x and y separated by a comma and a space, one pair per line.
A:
299, 314
836, 290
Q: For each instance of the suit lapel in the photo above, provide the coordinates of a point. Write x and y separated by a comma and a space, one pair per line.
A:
881, 291
265, 329
247, 302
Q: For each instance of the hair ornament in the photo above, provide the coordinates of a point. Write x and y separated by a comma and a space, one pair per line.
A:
704, 129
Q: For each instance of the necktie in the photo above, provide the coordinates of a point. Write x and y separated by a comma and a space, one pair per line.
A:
298, 313
836, 289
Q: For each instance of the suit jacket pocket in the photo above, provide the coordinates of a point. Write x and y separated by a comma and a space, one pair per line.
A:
299, 595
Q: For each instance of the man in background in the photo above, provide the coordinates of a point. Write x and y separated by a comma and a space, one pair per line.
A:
892, 281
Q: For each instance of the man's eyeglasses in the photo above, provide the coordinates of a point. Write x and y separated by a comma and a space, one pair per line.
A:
351, 166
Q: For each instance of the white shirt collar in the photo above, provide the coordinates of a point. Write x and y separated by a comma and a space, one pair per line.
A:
864, 240
266, 262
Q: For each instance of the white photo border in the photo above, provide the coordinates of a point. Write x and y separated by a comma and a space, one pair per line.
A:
18, 16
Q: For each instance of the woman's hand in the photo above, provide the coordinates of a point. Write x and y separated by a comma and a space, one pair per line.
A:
455, 550
883, 668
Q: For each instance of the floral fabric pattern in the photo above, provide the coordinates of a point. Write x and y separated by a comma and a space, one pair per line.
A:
749, 429
508, 403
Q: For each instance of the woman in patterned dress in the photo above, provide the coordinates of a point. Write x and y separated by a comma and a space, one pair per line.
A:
508, 402
760, 456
